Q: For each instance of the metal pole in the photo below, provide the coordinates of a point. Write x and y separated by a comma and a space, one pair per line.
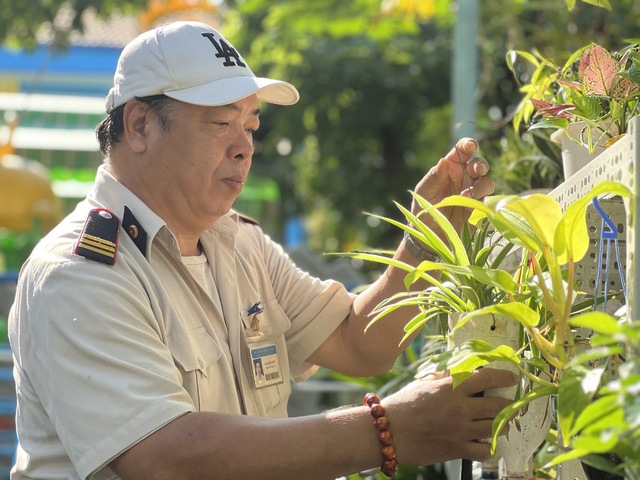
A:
465, 70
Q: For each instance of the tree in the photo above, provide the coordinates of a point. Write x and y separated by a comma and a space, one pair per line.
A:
367, 81
375, 108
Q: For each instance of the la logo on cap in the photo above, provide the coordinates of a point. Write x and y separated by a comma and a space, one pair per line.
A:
225, 51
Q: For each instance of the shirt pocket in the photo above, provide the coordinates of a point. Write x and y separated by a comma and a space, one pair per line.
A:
274, 323
194, 351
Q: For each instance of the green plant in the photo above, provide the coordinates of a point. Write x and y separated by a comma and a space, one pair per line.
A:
541, 297
595, 86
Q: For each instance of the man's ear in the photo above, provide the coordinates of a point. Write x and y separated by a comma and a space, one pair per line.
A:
135, 120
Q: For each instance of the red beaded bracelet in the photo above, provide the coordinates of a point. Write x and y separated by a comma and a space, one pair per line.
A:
389, 461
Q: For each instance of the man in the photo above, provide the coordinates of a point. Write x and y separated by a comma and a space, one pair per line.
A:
139, 319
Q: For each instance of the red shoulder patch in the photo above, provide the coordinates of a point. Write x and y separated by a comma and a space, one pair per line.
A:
248, 220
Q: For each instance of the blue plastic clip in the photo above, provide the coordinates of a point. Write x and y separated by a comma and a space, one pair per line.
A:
608, 232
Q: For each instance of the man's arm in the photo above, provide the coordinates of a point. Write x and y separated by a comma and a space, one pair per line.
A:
350, 351
430, 423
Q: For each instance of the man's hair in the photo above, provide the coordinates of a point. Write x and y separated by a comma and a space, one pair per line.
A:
109, 131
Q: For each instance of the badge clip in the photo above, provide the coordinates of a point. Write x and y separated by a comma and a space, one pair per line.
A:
254, 313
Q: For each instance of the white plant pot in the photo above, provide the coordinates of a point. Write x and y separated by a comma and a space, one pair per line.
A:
526, 434
571, 470
575, 156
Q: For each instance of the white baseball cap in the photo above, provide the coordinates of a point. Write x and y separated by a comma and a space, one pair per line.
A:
191, 62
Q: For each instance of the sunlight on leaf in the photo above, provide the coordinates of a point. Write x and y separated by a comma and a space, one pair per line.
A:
514, 310
542, 212
571, 236
572, 398
598, 322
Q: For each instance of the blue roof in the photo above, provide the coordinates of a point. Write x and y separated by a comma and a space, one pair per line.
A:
77, 70
75, 59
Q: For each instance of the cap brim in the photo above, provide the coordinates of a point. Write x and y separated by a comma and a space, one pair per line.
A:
232, 89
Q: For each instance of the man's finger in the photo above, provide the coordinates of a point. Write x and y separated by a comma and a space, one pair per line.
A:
480, 188
487, 378
477, 167
463, 151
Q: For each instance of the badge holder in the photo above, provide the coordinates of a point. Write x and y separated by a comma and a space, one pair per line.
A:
263, 352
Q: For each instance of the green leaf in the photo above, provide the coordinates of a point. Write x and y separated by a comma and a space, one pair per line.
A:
473, 354
595, 354
424, 234
512, 57
499, 279
597, 3
508, 225
507, 413
572, 59
386, 260
571, 236
462, 201
588, 108
457, 247
549, 122
586, 444
515, 310
515, 227
418, 322
598, 322
541, 212
572, 398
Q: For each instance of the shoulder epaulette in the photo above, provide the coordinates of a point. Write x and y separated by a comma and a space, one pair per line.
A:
248, 220
99, 238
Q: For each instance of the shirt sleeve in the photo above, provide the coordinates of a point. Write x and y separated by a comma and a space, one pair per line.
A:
95, 358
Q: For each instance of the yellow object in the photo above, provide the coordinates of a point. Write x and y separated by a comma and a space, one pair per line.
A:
159, 8
26, 196
421, 9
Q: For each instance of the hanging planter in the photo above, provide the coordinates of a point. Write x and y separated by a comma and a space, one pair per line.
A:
590, 98
576, 153
528, 430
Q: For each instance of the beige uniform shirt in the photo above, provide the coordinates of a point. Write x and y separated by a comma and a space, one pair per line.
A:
105, 355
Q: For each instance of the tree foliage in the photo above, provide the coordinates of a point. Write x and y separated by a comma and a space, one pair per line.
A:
374, 80
366, 81
22, 21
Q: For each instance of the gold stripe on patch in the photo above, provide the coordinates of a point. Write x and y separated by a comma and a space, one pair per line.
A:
109, 246
98, 239
101, 251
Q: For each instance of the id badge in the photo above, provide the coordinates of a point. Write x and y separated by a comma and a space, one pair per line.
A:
263, 352
265, 363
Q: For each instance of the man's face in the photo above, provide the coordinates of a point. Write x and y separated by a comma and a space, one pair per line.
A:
202, 161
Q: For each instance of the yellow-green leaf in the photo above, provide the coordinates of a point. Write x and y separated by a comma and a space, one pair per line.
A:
571, 237
542, 213
597, 321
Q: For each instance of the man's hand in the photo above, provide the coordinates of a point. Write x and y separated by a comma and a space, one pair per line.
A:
460, 172
432, 423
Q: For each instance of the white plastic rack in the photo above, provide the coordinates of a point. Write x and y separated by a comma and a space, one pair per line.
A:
620, 163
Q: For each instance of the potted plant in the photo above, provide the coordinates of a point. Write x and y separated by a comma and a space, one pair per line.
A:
539, 298
588, 100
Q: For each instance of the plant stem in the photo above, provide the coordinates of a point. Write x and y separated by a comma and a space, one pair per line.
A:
543, 287
535, 378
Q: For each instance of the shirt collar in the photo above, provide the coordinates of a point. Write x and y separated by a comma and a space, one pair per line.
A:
113, 195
